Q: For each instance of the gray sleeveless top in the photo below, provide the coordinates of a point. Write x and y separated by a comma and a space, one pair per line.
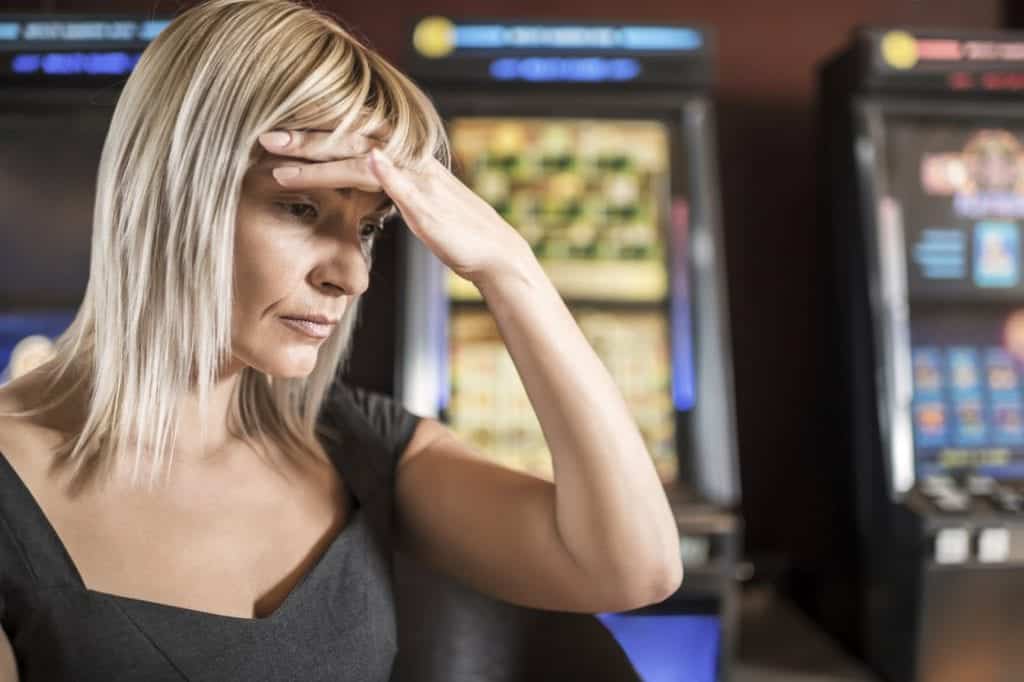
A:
338, 623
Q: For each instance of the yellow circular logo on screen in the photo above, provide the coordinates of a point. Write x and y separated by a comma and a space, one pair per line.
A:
899, 50
434, 37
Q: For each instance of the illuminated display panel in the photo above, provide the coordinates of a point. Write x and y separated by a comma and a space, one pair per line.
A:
590, 196
489, 406
968, 406
960, 190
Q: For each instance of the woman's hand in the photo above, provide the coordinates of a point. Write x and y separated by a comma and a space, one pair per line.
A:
460, 228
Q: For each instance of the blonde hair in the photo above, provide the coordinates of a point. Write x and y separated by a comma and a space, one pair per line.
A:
155, 320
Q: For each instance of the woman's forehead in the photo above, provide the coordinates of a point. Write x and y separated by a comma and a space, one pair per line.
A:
263, 171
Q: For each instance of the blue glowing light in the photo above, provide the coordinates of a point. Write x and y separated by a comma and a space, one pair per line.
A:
660, 38
9, 30
572, 37
150, 29
479, 36
669, 647
684, 389
26, 63
564, 69
91, 31
75, 63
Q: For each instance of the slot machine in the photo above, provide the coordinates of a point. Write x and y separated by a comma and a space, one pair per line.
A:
596, 142
924, 151
59, 79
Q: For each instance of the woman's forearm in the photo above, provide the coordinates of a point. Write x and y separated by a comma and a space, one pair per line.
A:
612, 512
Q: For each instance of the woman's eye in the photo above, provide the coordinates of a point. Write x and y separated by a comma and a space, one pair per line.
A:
371, 230
303, 214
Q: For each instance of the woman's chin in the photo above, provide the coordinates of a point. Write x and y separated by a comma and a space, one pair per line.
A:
294, 366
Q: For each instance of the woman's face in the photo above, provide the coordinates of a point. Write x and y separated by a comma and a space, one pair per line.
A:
298, 253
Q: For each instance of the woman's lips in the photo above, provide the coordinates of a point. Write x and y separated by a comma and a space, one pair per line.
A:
312, 329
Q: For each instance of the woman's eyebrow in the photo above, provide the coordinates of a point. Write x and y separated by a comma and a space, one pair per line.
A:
389, 211
386, 205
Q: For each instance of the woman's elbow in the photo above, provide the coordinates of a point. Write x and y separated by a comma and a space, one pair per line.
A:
667, 579
651, 586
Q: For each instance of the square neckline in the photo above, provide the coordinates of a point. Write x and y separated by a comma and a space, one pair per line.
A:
73, 576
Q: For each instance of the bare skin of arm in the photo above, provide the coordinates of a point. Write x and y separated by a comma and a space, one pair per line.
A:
601, 537
8, 667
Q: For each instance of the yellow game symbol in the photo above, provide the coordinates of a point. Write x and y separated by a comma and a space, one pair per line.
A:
899, 50
434, 37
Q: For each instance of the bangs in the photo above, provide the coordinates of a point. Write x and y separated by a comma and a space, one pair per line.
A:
349, 89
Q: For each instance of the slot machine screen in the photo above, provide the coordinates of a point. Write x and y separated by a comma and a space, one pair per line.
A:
590, 196
959, 188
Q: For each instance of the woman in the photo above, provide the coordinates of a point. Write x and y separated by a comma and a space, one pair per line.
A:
264, 552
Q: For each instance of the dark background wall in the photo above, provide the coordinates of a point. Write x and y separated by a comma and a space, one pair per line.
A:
768, 50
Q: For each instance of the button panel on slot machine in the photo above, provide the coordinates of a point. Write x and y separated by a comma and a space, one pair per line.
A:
952, 546
949, 495
946, 494
993, 545
999, 495
1008, 500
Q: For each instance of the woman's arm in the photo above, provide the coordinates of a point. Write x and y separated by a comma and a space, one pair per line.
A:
8, 666
611, 508
602, 537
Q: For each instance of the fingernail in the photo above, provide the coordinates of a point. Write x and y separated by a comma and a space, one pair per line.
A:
285, 172
276, 138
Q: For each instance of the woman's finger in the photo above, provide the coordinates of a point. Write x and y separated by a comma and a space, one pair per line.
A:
313, 145
396, 183
354, 172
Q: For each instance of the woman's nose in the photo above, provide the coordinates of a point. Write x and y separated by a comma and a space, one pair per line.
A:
348, 271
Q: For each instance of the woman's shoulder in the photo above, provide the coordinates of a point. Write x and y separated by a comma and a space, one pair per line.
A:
22, 464
367, 432
26, 442
20, 446
371, 413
